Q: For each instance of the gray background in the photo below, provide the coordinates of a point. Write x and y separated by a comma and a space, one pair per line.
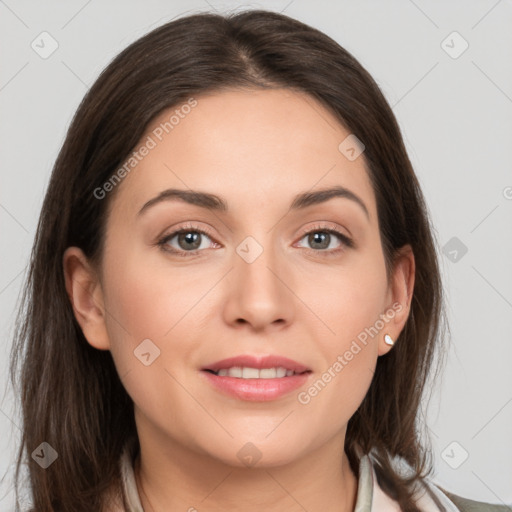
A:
456, 115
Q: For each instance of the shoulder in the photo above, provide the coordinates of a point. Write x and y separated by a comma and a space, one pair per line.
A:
430, 496
467, 505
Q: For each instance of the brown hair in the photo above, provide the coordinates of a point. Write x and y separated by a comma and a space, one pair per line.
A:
71, 394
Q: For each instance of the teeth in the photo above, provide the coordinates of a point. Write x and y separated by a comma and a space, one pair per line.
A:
255, 373
249, 373
235, 372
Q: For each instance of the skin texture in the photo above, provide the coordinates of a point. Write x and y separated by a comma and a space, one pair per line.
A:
256, 149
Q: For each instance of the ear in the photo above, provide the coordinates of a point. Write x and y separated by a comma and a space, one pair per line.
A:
84, 291
399, 295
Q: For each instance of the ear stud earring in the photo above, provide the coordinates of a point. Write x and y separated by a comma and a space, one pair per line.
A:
388, 340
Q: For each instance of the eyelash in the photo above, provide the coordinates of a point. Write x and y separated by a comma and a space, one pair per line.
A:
189, 228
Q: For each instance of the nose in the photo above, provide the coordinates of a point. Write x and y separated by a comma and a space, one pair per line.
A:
259, 293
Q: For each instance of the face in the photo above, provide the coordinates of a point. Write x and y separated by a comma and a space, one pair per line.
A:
267, 273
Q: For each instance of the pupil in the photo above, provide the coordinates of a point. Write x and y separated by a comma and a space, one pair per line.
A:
319, 237
190, 238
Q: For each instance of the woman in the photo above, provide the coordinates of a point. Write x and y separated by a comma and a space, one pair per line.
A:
234, 301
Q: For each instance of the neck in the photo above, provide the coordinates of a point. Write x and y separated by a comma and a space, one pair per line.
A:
316, 482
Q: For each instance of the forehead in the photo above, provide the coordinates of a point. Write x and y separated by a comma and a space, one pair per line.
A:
253, 147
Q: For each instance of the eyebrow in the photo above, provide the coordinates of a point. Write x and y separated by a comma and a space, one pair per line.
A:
215, 203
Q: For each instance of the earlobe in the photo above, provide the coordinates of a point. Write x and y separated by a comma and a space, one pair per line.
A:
85, 294
400, 295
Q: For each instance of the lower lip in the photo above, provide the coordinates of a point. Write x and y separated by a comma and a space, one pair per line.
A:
256, 389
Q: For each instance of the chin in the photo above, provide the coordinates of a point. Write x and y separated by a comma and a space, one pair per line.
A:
253, 453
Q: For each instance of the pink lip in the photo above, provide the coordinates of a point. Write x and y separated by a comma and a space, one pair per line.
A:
256, 389
248, 361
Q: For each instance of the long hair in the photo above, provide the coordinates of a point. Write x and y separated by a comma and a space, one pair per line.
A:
70, 393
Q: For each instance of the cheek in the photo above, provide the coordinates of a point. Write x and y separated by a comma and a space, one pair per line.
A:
349, 357
348, 298
350, 301
147, 295
148, 299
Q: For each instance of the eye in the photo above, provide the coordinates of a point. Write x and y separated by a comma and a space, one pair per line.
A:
321, 239
188, 240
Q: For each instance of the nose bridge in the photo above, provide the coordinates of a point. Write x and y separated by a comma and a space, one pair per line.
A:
257, 262
257, 291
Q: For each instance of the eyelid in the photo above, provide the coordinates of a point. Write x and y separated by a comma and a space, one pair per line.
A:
324, 226
189, 226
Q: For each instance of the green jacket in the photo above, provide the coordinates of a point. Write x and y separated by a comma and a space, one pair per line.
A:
466, 505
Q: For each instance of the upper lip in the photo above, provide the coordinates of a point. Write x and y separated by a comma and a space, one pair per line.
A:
251, 361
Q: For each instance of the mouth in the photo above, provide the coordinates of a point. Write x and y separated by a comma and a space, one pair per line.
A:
238, 372
247, 366
256, 378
